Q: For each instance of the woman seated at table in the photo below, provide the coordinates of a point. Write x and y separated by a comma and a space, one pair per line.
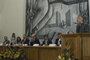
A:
19, 40
13, 39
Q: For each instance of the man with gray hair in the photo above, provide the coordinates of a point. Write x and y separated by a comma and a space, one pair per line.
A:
81, 27
6, 40
25, 40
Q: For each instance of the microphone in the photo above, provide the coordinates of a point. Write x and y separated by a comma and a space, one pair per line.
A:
81, 23
77, 23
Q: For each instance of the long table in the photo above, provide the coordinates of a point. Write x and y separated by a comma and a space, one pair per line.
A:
40, 52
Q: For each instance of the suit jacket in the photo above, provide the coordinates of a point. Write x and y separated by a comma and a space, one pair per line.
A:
36, 41
6, 42
83, 28
26, 41
56, 42
48, 42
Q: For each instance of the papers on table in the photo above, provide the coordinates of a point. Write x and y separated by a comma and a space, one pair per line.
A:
1, 44
35, 44
24, 45
52, 44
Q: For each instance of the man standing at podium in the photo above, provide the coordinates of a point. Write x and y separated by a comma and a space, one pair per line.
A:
81, 27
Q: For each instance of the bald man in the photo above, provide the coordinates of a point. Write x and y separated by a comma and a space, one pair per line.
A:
81, 27
34, 40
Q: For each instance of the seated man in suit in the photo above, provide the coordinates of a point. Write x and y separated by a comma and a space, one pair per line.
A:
25, 40
6, 40
34, 40
58, 40
81, 27
46, 41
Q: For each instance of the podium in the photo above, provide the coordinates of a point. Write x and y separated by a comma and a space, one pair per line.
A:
75, 44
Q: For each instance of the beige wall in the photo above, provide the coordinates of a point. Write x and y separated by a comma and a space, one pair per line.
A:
0, 6
12, 18
0, 14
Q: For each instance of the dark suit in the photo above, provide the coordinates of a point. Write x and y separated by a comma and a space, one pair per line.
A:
56, 42
83, 28
6, 42
25, 41
35, 41
48, 42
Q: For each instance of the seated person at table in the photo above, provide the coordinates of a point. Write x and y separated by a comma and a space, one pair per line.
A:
13, 39
46, 41
58, 40
25, 40
6, 40
34, 40
19, 40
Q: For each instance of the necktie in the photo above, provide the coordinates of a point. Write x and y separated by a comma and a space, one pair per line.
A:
46, 42
29, 43
79, 25
59, 41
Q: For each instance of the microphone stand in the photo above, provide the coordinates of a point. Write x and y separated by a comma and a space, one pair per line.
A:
81, 40
81, 43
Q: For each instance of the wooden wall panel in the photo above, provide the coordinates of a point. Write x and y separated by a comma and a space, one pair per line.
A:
26, 50
53, 53
43, 54
33, 53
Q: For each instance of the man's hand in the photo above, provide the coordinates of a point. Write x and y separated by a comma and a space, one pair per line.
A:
31, 39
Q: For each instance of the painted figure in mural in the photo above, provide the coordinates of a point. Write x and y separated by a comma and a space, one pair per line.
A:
37, 11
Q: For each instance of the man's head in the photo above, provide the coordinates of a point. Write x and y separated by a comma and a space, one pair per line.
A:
71, 33
24, 36
5, 38
33, 36
59, 35
80, 19
45, 37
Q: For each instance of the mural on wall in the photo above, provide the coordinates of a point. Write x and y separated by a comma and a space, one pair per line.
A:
48, 17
